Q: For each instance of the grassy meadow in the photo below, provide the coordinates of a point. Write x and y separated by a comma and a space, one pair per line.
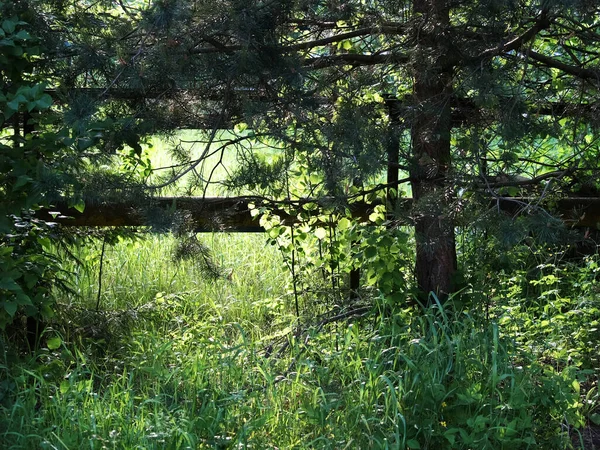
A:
164, 356
174, 360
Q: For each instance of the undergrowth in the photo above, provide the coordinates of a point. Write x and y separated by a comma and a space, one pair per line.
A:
172, 359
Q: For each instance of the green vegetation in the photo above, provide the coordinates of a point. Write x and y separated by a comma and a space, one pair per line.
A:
174, 360
465, 316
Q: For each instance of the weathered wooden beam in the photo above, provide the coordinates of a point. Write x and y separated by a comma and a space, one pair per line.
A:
574, 211
234, 214
207, 214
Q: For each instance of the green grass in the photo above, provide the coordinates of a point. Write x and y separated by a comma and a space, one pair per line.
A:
176, 360
169, 154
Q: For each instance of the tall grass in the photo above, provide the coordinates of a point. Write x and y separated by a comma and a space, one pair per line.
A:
156, 355
179, 361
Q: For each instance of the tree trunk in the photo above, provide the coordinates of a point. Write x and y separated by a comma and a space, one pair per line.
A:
430, 134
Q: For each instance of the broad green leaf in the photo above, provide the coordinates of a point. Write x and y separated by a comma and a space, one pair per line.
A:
23, 299
320, 233
9, 26
23, 35
54, 342
371, 252
22, 180
374, 217
343, 224
79, 206
413, 444
10, 308
9, 284
31, 280
13, 104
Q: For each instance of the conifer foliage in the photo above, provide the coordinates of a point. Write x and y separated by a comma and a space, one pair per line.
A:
47, 146
472, 101
462, 103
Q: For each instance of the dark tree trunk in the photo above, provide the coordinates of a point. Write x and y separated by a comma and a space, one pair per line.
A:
431, 128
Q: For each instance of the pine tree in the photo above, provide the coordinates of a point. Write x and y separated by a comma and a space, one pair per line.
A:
460, 96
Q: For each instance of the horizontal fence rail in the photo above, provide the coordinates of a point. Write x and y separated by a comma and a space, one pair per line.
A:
233, 214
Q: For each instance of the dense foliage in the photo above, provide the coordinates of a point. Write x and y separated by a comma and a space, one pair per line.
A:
172, 361
30, 149
472, 102
426, 173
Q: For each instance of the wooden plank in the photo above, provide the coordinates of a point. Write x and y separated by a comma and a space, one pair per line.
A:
233, 213
574, 211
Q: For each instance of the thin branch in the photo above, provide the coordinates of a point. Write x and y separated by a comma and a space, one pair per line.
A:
307, 45
355, 59
529, 182
580, 72
541, 23
213, 133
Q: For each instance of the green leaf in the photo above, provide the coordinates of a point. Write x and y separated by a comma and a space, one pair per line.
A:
65, 387
10, 308
371, 252
79, 206
9, 26
23, 299
239, 127
46, 311
375, 217
54, 343
7, 43
413, 443
320, 233
31, 280
343, 224
9, 284
34, 50
22, 180
23, 35
450, 434
13, 104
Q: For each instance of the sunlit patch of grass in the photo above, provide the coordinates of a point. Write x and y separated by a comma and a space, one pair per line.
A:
209, 165
190, 369
135, 272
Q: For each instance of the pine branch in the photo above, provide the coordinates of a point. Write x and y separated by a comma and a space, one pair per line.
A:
308, 45
516, 43
578, 71
355, 59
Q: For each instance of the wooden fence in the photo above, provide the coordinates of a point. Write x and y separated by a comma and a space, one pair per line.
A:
233, 214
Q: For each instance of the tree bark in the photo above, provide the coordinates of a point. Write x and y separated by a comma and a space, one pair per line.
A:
430, 134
